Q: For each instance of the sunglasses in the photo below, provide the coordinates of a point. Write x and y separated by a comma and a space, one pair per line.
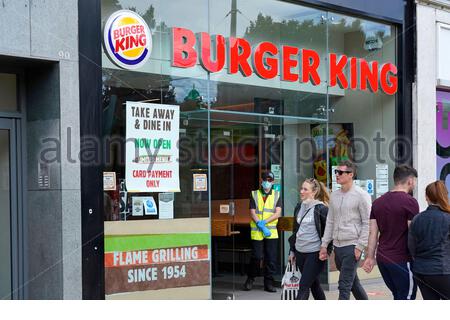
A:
341, 172
268, 179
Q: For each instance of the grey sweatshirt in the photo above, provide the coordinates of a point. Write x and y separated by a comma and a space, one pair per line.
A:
307, 238
348, 218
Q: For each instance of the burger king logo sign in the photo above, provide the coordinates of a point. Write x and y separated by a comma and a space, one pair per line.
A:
127, 39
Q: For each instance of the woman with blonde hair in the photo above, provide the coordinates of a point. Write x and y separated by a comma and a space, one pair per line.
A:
429, 244
310, 217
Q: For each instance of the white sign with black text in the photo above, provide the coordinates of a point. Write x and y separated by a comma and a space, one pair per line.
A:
166, 205
152, 151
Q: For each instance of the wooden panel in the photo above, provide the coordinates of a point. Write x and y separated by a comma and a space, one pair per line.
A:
219, 228
222, 228
242, 215
241, 211
285, 223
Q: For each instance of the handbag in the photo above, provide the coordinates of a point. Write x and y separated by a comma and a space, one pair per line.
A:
290, 282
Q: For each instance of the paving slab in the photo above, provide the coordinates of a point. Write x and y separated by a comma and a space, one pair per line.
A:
227, 287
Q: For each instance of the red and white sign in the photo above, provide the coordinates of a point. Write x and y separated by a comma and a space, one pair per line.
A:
268, 61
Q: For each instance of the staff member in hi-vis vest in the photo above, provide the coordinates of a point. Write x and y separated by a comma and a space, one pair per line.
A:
265, 209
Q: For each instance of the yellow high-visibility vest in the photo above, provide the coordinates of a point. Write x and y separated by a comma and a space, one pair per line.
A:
263, 211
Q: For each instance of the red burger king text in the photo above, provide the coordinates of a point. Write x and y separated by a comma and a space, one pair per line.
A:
129, 37
267, 61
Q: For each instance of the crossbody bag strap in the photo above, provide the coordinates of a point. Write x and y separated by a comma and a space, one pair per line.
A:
303, 217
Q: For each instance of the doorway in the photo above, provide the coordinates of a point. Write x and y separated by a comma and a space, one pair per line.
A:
9, 208
242, 148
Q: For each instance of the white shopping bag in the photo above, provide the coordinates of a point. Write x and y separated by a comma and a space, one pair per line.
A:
290, 282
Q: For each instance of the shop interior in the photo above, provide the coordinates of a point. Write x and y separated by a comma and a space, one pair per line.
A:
242, 146
233, 128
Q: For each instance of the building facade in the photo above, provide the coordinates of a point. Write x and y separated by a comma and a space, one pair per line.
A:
292, 87
39, 116
133, 179
431, 92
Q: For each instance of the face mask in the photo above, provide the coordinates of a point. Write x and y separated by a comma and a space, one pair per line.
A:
266, 185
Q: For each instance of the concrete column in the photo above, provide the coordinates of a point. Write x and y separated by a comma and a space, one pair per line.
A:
424, 104
70, 180
54, 215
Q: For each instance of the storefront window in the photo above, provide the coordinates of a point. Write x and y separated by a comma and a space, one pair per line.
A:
259, 85
154, 83
443, 136
284, 25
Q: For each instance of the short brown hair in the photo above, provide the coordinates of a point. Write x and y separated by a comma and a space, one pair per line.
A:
350, 165
403, 172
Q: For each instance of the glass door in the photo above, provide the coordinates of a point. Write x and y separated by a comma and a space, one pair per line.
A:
242, 148
8, 209
223, 209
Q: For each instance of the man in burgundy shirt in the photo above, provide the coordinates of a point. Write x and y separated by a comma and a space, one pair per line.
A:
389, 221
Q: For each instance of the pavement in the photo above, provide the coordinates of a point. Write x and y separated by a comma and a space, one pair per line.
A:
229, 288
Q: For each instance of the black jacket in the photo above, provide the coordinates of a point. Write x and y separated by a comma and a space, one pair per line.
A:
320, 219
429, 242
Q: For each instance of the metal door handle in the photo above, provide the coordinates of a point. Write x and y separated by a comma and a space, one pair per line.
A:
231, 212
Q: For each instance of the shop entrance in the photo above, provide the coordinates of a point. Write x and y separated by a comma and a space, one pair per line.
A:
242, 148
8, 209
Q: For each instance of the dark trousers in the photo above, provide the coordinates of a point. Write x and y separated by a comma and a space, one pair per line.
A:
399, 279
434, 287
348, 278
310, 266
266, 249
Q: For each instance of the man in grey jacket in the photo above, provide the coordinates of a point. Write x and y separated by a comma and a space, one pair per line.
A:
348, 227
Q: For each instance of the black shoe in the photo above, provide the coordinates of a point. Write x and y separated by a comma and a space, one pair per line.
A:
248, 285
268, 286
270, 289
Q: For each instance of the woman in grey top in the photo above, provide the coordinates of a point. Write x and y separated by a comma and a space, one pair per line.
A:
309, 224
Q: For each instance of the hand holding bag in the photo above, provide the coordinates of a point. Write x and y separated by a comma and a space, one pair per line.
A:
290, 282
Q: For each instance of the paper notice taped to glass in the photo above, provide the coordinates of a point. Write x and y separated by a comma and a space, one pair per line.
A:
166, 205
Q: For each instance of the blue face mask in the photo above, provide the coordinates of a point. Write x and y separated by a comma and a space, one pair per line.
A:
266, 185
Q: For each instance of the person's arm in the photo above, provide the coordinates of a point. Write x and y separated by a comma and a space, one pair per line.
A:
369, 263
323, 212
295, 225
253, 215
412, 239
274, 216
373, 239
328, 233
293, 236
277, 213
364, 208
253, 210
412, 210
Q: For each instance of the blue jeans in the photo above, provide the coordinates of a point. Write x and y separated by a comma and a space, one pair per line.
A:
399, 279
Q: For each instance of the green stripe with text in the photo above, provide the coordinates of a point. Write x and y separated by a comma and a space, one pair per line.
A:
142, 242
